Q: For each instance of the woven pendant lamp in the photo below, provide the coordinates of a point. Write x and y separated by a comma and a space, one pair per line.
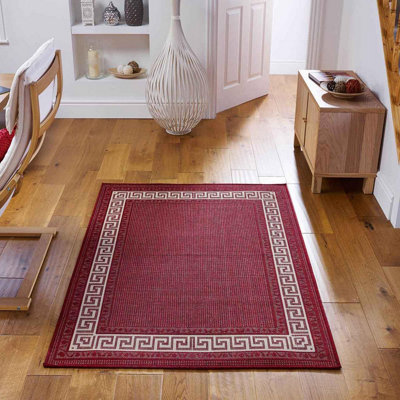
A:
177, 88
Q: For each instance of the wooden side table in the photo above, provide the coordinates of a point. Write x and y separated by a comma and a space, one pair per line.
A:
339, 138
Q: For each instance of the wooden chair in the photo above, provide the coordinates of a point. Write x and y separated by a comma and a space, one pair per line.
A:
23, 298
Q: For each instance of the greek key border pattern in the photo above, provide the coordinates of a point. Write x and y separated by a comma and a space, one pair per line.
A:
85, 337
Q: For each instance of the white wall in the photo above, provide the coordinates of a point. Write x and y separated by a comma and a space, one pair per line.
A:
291, 20
330, 35
360, 49
29, 24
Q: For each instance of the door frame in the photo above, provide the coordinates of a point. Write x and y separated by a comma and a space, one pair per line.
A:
212, 18
317, 10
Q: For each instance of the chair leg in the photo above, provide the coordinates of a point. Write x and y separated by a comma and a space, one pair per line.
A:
19, 184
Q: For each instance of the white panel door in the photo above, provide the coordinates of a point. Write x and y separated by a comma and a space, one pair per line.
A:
243, 50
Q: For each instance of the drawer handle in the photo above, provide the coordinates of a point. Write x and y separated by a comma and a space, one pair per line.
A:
305, 119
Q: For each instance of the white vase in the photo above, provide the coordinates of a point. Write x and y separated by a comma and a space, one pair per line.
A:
177, 88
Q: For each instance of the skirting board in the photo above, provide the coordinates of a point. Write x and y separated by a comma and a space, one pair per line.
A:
102, 110
384, 196
76, 109
286, 67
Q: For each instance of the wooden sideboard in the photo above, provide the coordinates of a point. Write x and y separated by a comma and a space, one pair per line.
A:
339, 138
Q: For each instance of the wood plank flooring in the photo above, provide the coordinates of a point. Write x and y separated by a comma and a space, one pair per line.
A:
354, 252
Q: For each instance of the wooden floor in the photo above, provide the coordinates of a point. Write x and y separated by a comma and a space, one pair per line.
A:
354, 251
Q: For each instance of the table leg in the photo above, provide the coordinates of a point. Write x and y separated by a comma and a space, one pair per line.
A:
296, 141
368, 185
316, 184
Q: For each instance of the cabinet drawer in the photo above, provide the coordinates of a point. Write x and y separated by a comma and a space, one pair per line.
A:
301, 109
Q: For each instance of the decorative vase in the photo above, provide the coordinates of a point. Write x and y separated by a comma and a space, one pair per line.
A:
177, 88
134, 12
111, 15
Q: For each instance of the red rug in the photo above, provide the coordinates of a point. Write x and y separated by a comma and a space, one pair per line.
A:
193, 276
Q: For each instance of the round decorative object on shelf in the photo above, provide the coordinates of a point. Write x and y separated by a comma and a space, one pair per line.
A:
331, 86
353, 86
341, 78
340, 87
177, 88
134, 12
135, 66
127, 70
111, 15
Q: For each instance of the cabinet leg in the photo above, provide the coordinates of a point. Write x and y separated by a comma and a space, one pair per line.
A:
368, 185
296, 141
316, 184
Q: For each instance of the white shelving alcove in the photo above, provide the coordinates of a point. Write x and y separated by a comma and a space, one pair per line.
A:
108, 97
206, 23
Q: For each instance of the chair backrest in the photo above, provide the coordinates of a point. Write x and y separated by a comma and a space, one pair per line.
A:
43, 114
40, 125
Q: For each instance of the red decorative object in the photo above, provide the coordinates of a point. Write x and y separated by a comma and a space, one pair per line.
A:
193, 276
353, 86
5, 142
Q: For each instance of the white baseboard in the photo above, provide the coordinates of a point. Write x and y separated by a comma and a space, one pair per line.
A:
396, 218
72, 109
77, 109
286, 67
384, 196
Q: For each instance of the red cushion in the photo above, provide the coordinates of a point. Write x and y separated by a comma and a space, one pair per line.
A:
5, 141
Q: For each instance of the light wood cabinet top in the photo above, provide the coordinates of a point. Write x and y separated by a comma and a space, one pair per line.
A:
327, 103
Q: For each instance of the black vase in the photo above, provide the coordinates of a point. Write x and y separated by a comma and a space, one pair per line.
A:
134, 12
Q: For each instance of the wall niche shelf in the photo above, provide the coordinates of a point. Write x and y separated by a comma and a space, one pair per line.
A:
102, 29
108, 78
116, 49
118, 44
